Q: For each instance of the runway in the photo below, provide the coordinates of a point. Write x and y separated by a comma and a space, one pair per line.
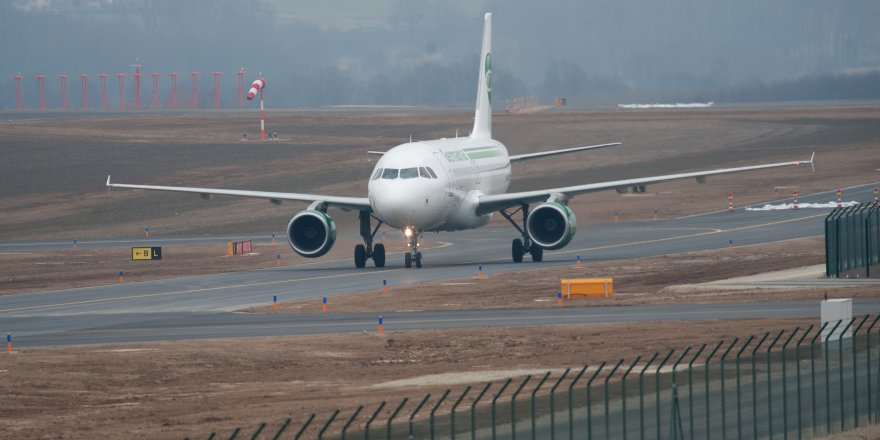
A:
202, 306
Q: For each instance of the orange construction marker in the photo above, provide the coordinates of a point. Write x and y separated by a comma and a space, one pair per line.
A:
8, 343
275, 303
324, 305
558, 298
385, 285
120, 277
730, 246
147, 232
273, 238
380, 325
481, 271
278, 260
579, 261
74, 245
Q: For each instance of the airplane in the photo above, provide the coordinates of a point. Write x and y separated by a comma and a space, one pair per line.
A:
449, 185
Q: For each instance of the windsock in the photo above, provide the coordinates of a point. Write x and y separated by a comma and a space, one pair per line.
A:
257, 85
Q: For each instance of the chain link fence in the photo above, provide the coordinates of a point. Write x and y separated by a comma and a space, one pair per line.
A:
852, 241
797, 384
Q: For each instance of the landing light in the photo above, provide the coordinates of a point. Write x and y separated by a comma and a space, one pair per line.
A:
407, 232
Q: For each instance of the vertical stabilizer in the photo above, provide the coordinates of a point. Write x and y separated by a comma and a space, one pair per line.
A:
483, 114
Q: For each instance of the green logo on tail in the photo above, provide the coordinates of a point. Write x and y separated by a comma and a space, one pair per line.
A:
488, 74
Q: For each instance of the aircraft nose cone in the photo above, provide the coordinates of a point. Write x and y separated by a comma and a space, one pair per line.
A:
401, 205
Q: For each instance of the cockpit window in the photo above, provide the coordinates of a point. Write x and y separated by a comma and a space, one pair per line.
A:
390, 173
431, 172
377, 174
409, 173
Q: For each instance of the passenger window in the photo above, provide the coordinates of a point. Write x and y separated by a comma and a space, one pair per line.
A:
409, 173
389, 173
377, 174
431, 172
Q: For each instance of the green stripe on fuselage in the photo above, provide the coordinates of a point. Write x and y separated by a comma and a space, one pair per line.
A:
483, 154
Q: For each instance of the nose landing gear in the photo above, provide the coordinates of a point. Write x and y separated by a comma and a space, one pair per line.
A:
413, 255
364, 251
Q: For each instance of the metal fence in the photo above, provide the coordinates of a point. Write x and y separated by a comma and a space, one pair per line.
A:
852, 241
795, 384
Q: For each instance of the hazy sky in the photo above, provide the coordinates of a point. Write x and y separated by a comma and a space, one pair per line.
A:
424, 51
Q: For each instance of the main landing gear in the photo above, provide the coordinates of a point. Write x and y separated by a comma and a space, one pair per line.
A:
364, 251
413, 255
521, 246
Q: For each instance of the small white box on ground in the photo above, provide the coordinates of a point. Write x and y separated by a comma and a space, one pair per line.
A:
834, 310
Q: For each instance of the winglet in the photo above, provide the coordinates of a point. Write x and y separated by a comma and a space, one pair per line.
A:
812, 165
108, 180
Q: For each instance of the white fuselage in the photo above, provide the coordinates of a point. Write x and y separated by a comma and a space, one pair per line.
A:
434, 185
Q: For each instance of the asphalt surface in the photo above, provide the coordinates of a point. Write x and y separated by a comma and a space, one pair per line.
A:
203, 306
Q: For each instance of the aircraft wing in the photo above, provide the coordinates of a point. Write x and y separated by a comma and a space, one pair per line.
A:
492, 203
357, 203
517, 157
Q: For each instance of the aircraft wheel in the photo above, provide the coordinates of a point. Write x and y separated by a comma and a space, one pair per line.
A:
537, 253
517, 250
379, 255
407, 260
419, 260
360, 256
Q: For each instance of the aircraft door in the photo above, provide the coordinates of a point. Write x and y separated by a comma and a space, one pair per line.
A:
447, 169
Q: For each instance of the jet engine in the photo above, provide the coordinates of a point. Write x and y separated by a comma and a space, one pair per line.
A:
311, 233
551, 225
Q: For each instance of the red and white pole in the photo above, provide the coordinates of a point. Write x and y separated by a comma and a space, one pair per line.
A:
730, 202
795, 206
876, 191
839, 198
257, 86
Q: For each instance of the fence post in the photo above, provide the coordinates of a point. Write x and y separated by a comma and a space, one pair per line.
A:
440, 402
813, 374
828, 379
840, 368
474, 410
855, 374
797, 354
755, 386
770, 385
347, 423
513, 407
370, 420
623, 393
589, 401
452, 413
706, 372
304, 426
691, 389
495, 399
415, 411
390, 419
784, 385
571, 403
231, 437
607, 419
657, 387
553, 405
258, 431
868, 346
739, 427
642, 395
324, 428
723, 390
281, 429
532, 405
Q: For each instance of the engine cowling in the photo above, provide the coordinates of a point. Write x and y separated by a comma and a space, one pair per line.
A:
311, 233
551, 225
